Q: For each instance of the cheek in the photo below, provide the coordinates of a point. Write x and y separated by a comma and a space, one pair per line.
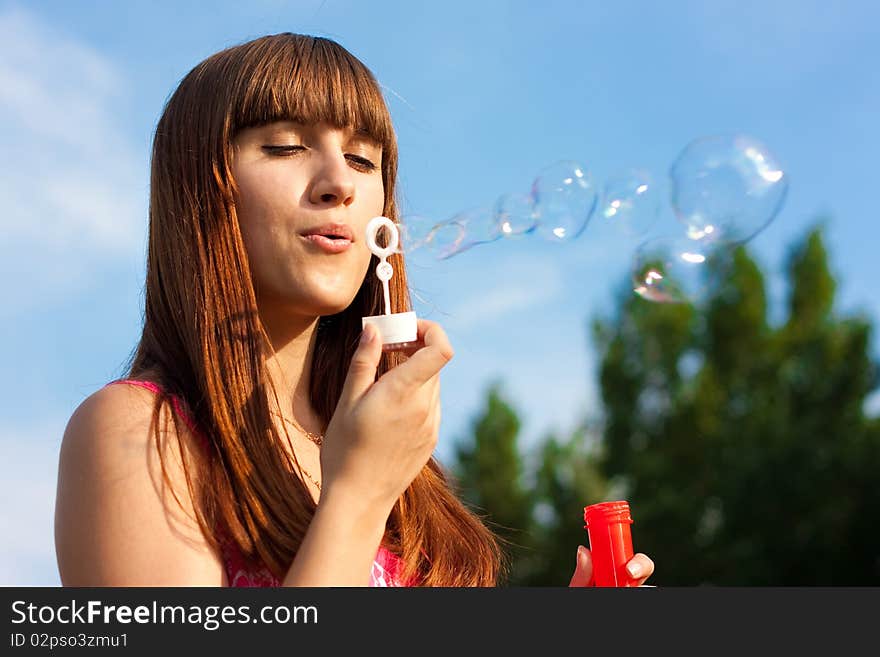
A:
249, 225
374, 197
255, 194
257, 207
247, 204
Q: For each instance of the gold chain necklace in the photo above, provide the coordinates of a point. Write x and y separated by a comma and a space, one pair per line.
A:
316, 438
308, 476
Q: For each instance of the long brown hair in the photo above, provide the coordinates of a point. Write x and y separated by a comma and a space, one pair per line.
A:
203, 337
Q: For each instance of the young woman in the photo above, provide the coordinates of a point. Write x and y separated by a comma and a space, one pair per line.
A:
260, 438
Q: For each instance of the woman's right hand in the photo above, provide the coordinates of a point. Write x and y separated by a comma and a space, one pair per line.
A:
384, 431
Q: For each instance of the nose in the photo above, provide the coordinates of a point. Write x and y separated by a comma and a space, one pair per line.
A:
332, 184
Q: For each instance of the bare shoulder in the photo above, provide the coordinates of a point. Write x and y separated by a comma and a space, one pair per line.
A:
116, 519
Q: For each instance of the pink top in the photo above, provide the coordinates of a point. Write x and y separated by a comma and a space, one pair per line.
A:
386, 569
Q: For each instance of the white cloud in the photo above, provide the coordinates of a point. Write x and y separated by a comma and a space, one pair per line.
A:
28, 478
73, 189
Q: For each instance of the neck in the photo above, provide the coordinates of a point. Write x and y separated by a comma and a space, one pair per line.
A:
292, 343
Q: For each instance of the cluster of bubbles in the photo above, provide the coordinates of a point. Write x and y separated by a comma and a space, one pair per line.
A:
723, 190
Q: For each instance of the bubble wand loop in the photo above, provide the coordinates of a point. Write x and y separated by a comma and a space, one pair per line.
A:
397, 330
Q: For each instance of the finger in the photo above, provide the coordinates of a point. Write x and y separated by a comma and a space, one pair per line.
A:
362, 370
413, 346
435, 427
583, 571
434, 386
428, 360
436, 412
640, 568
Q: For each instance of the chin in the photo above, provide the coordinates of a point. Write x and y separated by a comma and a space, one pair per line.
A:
331, 294
329, 304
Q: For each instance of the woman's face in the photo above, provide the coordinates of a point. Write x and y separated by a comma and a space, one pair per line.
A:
305, 195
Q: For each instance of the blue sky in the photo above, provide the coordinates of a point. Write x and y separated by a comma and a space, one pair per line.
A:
483, 96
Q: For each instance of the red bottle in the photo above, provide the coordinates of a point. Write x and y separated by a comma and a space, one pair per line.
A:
608, 527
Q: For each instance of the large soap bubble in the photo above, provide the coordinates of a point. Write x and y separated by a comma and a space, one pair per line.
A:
727, 187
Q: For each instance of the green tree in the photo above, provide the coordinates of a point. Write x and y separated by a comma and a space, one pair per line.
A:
490, 475
747, 456
567, 479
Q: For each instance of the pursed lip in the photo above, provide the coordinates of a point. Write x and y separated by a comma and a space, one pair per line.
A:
331, 230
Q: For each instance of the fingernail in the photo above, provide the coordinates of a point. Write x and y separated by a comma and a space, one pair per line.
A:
367, 335
634, 570
581, 550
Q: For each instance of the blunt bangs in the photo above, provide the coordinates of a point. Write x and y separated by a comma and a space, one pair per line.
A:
311, 82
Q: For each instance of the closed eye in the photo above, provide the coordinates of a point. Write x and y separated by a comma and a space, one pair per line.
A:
283, 150
358, 162
361, 163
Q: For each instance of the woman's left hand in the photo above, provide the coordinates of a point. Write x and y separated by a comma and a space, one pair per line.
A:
640, 568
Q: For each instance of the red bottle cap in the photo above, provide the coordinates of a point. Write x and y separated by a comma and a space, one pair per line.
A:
608, 527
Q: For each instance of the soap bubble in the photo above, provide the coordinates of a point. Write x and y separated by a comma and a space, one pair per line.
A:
727, 187
515, 215
415, 235
480, 227
446, 239
565, 199
674, 269
631, 201
415, 231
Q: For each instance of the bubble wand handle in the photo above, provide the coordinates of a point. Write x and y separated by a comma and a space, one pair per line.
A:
384, 272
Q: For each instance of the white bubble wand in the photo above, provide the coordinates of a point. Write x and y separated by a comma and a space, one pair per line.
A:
397, 330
